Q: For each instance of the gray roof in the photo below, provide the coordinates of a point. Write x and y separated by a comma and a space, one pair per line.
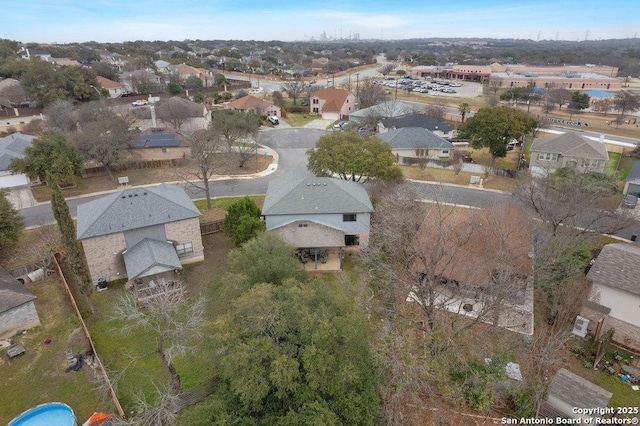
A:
634, 173
386, 109
13, 146
133, 209
416, 120
288, 195
156, 140
414, 137
150, 257
618, 265
577, 392
12, 292
571, 144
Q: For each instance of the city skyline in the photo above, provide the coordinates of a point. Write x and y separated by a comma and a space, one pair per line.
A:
66, 21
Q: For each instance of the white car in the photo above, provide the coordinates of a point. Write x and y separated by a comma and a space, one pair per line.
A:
256, 91
139, 102
273, 120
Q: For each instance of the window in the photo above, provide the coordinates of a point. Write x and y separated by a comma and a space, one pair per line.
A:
184, 249
303, 225
316, 101
547, 156
445, 152
351, 240
315, 110
349, 217
165, 150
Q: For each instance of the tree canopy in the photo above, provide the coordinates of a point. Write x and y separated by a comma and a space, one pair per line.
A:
50, 154
242, 221
495, 127
294, 354
11, 222
353, 157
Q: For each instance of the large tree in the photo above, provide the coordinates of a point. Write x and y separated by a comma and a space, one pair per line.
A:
11, 223
50, 154
176, 111
494, 127
370, 94
207, 156
626, 102
293, 353
295, 89
239, 131
242, 221
62, 115
352, 156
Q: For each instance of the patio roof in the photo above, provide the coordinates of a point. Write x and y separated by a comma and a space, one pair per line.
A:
150, 257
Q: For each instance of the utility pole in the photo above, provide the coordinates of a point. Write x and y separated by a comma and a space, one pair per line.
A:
357, 88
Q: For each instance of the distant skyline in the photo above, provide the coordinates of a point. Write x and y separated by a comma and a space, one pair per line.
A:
65, 21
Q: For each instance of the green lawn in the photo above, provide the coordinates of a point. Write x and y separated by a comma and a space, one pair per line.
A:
611, 166
225, 202
299, 119
39, 375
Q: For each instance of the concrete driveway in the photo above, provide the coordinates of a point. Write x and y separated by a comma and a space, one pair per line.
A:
318, 123
21, 198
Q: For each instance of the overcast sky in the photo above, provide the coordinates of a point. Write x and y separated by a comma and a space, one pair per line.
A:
63, 21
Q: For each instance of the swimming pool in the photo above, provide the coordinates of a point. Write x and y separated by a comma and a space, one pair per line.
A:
51, 414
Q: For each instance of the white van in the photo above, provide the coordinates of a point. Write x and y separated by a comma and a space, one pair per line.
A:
273, 120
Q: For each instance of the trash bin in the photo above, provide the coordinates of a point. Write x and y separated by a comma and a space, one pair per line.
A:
102, 284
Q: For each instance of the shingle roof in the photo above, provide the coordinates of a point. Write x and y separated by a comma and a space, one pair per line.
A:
105, 83
571, 144
12, 292
249, 101
13, 146
133, 209
577, 392
618, 265
288, 195
334, 98
634, 173
416, 120
156, 140
150, 257
414, 137
386, 109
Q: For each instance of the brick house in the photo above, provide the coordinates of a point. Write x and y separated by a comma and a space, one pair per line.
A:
332, 104
319, 215
17, 307
567, 150
140, 233
257, 106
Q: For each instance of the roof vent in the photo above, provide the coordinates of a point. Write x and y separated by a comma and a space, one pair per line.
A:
130, 195
325, 184
144, 193
124, 196
308, 184
135, 195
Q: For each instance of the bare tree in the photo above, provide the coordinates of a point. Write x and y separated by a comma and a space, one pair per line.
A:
602, 105
494, 86
176, 111
386, 69
559, 96
207, 148
103, 136
238, 129
61, 114
370, 94
436, 111
295, 89
626, 102
175, 323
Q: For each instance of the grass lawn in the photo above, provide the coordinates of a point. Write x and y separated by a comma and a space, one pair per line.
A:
299, 119
39, 375
219, 207
611, 166
462, 178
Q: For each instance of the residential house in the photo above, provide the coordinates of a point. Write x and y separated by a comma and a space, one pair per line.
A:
185, 71
13, 146
156, 144
632, 183
320, 216
568, 392
567, 150
17, 306
135, 81
384, 110
255, 105
415, 145
493, 286
26, 53
417, 119
144, 234
615, 277
332, 104
12, 95
114, 88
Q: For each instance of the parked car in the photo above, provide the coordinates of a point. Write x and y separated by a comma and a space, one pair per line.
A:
339, 125
139, 102
273, 120
630, 201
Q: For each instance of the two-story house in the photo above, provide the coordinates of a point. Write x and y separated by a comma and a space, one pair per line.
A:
567, 150
140, 233
319, 215
332, 104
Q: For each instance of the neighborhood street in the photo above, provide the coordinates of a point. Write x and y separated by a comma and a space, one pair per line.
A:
291, 145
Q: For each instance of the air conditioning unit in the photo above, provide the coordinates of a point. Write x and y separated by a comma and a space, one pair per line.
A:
580, 326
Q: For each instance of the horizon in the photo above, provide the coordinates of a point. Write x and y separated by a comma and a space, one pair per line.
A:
73, 21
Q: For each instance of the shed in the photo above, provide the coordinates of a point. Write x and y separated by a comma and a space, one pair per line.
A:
17, 307
569, 391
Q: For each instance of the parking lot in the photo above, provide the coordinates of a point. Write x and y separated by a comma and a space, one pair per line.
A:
436, 87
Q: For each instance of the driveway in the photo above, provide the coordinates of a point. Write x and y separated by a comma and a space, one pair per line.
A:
318, 123
21, 198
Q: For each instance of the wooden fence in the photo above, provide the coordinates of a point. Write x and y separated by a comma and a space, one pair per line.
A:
211, 227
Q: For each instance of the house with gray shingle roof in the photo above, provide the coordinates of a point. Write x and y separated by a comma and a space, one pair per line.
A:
417, 119
140, 233
17, 307
11, 147
567, 150
315, 214
411, 145
615, 275
632, 183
